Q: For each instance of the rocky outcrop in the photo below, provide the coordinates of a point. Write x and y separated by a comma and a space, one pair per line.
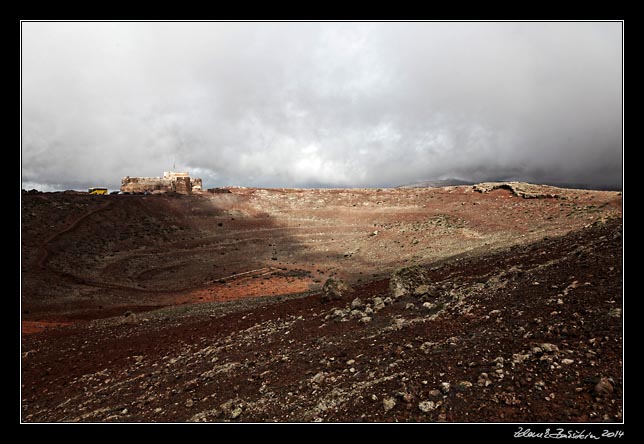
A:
520, 189
409, 281
333, 290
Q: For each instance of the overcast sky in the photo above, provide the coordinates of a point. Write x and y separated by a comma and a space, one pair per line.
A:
320, 104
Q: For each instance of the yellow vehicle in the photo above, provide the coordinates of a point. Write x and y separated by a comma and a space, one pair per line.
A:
97, 190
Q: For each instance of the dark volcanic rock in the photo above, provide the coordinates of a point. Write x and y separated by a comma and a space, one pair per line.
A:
406, 281
333, 289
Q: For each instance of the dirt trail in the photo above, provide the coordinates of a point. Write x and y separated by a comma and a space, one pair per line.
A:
529, 334
170, 249
73, 224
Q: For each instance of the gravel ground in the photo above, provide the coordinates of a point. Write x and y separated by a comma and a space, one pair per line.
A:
524, 333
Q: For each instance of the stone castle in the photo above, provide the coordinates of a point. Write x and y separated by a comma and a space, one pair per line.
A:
178, 182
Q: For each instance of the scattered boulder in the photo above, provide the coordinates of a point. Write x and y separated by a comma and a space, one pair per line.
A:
388, 404
339, 313
549, 348
405, 396
484, 380
232, 408
604, 387
426, 406
405, 281
318, 378
519, 358
463, 385
356, 314
129, 317
356, 304
333, 290
425, 347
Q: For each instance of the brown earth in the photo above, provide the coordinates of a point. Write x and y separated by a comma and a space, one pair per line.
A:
148, 308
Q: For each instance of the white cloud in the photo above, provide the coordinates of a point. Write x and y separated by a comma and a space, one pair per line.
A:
296, 104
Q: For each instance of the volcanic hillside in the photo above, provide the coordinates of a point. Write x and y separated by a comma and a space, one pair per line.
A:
505, 305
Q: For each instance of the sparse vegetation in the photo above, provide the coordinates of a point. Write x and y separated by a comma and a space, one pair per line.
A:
507, 310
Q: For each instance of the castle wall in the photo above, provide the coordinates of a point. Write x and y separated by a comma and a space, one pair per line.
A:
143, 184
172, 174
170, 182
182, 185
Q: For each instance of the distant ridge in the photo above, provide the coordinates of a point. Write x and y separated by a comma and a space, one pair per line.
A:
585, 186
451, 182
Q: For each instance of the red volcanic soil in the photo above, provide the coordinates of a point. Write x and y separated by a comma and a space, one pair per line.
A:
208, 307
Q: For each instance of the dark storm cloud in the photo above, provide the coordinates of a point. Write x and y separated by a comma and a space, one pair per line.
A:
321, 104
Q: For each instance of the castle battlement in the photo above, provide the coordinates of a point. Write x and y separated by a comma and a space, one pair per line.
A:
178, 182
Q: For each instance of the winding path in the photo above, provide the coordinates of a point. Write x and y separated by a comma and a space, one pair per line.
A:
43, 255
